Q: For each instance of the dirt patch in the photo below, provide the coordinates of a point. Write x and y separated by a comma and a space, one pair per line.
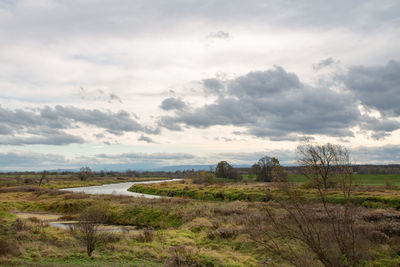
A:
40, 216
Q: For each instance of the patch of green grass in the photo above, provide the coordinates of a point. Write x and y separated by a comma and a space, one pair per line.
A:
230, 192
361, 179
144, 216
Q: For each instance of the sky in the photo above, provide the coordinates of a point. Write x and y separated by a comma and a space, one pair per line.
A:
147, 83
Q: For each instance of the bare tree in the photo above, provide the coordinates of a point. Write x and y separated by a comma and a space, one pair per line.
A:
87, 230
43, 177
322, 164
329, 231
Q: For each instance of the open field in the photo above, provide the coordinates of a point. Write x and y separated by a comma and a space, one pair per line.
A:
216, 231
361, 179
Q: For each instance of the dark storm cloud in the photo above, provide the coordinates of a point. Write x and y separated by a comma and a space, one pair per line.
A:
173, 103
46, 125
377, 87
275, 104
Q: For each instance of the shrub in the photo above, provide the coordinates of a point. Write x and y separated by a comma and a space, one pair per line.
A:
181, 256
146, 236
378, 237
109, 238
199, 224
18, 225
9, 248
223, 233
203, 177
86, 230
34, 219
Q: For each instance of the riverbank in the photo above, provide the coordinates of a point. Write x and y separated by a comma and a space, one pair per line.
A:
369, 197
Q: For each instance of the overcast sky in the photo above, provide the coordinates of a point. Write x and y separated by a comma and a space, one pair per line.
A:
153, 83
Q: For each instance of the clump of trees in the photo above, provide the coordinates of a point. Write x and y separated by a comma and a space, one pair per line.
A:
203, 177
85, 173
225, 170
268, 169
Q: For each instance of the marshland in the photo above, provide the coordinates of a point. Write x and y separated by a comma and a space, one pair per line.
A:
319, 213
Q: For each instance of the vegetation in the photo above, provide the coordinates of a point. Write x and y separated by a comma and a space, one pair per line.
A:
324, 165
87, 229
268, 169
225, 170
299, 218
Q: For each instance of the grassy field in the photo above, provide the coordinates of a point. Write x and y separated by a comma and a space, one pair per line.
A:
205, 226
375, 196
361, 179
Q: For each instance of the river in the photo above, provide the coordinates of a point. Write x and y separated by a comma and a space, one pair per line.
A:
120, 189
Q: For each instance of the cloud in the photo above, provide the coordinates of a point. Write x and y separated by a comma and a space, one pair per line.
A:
388, 154
21, 159
99, 95
47, 125
26, 160
377, 87
274, 103
212, 86
285, 156
77, 18
114, 97
145, 139
325, 63
172, 103
126, 157
219, 35
55, 138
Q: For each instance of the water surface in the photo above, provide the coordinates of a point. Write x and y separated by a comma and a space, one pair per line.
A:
120, 189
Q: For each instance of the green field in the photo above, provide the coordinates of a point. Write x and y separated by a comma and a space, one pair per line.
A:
361, 179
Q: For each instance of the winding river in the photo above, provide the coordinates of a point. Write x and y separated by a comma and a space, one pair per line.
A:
120, 189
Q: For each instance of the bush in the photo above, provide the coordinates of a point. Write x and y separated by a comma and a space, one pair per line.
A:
203, 177
146, 236
199, 224
181, 256
223, 233
18, 225
9, 248
86, 230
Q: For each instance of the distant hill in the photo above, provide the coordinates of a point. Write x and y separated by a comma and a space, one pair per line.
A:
190, 167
